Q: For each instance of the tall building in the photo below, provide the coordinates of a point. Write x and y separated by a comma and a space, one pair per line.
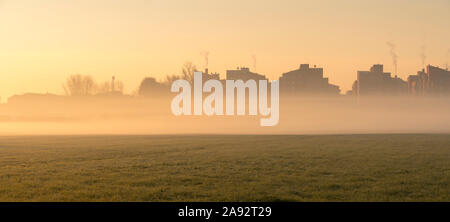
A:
433, 81
376, 82
244, 74
306, 80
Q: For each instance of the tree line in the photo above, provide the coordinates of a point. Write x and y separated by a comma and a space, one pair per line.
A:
85, 85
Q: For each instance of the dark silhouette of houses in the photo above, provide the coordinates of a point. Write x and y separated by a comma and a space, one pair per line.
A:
376, 82
244, 74
306, 80
435, 81
207, 76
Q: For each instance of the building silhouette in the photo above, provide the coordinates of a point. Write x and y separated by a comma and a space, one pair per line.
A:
207, 76
376, 82
244, 74
306, 80
433, 81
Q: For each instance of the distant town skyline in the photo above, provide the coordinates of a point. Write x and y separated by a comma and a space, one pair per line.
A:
46, 41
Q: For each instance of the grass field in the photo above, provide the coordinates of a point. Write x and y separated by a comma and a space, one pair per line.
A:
225, 168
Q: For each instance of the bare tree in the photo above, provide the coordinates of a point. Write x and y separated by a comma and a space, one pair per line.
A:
170, 79
118, 86
104, 87
187, 71
79, 85
107, 87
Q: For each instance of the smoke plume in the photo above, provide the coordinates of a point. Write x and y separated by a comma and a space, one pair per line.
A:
393, 55
205, 55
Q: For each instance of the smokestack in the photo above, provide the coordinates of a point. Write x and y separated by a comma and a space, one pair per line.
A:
393, 55
205, 55
423, 55
112, 84
254, 62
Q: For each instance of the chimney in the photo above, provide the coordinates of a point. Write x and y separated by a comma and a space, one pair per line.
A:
112, 84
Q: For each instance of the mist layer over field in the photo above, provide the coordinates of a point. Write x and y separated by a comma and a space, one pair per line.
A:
300, 115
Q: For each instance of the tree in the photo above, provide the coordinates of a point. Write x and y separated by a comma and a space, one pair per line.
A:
118, 86
107, 87
79, 85
187, 71
170, 79
150, 87
104, 87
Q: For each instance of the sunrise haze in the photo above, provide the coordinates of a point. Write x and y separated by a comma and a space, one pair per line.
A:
45, 41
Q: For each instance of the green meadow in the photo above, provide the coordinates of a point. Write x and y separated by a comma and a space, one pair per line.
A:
395, 167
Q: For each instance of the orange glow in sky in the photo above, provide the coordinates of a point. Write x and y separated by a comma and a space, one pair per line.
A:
44, 41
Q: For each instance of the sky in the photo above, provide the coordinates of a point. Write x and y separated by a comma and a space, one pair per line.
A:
44, 41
